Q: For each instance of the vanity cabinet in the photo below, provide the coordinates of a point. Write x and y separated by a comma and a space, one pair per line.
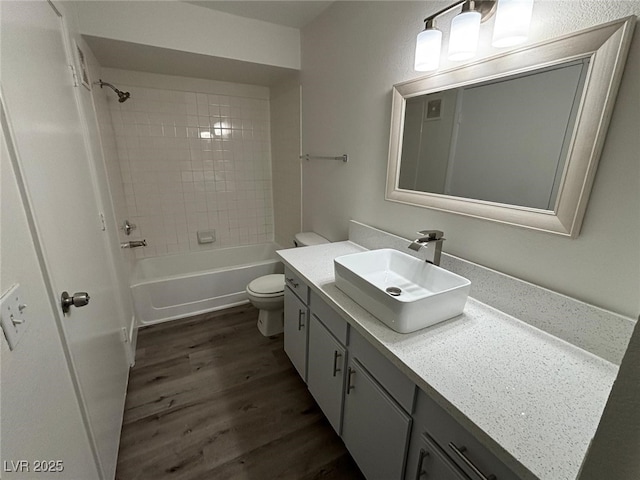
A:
296, 322
375, 428
325, 372
327, 359
436, 432
430, 462
378, 401
392, 429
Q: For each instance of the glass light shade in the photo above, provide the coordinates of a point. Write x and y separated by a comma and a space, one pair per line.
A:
513, 18
428, 47
465, 31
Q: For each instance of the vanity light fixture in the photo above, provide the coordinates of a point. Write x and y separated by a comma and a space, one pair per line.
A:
511, 27
428, 48
465, 32
512, 22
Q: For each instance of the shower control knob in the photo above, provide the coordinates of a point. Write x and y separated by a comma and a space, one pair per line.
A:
78, 299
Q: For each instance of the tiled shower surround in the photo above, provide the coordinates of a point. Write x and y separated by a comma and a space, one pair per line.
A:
193, 161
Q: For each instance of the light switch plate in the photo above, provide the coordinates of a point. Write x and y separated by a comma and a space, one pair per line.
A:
13, 315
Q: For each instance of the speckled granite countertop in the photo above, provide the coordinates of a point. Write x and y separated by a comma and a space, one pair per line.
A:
534, 400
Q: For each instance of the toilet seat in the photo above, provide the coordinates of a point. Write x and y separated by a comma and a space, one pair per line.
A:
267, 286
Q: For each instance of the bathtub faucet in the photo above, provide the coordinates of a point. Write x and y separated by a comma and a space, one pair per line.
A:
134, 244
430, 236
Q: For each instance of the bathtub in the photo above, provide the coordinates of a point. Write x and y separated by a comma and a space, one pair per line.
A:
176, 286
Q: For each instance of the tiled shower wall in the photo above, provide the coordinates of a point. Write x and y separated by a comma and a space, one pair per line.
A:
195, 161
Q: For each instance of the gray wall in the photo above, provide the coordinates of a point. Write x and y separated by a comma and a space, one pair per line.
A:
351, 57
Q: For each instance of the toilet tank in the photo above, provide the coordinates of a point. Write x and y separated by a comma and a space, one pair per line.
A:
304, 239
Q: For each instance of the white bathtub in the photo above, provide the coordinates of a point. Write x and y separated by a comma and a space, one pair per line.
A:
176, 286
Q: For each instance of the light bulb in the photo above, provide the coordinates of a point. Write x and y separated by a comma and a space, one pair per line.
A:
465, 31
428, 46
513, 18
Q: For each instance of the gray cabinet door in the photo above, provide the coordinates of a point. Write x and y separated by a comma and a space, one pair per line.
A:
296, 316
325, 371
374, 428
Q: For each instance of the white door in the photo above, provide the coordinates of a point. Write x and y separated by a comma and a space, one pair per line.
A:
43, 113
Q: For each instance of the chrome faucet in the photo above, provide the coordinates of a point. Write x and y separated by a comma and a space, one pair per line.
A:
430, 236
134, 244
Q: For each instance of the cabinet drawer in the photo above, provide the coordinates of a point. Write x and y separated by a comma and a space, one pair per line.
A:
464, 449
334, 322
296, 285
386, 373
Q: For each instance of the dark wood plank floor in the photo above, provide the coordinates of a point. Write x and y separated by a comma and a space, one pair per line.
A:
211, 398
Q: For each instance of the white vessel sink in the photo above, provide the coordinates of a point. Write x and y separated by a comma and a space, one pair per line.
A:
405, 293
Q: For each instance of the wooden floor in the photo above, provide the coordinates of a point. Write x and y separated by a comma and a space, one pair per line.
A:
211, 398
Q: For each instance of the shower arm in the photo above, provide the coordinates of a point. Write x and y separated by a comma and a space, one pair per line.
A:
122, 96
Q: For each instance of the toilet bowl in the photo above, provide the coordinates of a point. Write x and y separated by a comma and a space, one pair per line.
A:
266, 293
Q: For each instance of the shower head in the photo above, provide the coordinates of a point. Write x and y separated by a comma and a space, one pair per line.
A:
122, 96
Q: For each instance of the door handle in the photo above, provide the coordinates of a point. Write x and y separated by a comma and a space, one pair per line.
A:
350, 373
78, 299
301, 315
421, 457
336, 356
459, 451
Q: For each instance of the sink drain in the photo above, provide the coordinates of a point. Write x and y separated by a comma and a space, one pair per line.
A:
393, 291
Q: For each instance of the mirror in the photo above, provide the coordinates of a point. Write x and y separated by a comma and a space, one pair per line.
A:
515, 138
503, 141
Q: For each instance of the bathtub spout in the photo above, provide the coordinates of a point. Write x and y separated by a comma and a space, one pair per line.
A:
134, 244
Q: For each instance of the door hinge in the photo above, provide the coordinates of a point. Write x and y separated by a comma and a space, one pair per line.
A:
124, 335
74, 75
102, 222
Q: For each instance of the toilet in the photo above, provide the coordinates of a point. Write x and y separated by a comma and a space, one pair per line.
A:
266, 293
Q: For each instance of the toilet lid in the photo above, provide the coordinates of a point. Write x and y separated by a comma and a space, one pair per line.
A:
305, 239
268, 284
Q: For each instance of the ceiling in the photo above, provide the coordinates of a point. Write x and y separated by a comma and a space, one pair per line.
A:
145, 58
294, 14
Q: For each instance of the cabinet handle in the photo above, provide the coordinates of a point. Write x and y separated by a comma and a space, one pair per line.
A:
336, 356
293, 283
350, 373
301, 315
460, 454
420, 472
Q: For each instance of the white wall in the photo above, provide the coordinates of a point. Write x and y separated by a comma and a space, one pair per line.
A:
177, 183
41, 417
351, 57
105, 141
285, 160
100, 143
189, 28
